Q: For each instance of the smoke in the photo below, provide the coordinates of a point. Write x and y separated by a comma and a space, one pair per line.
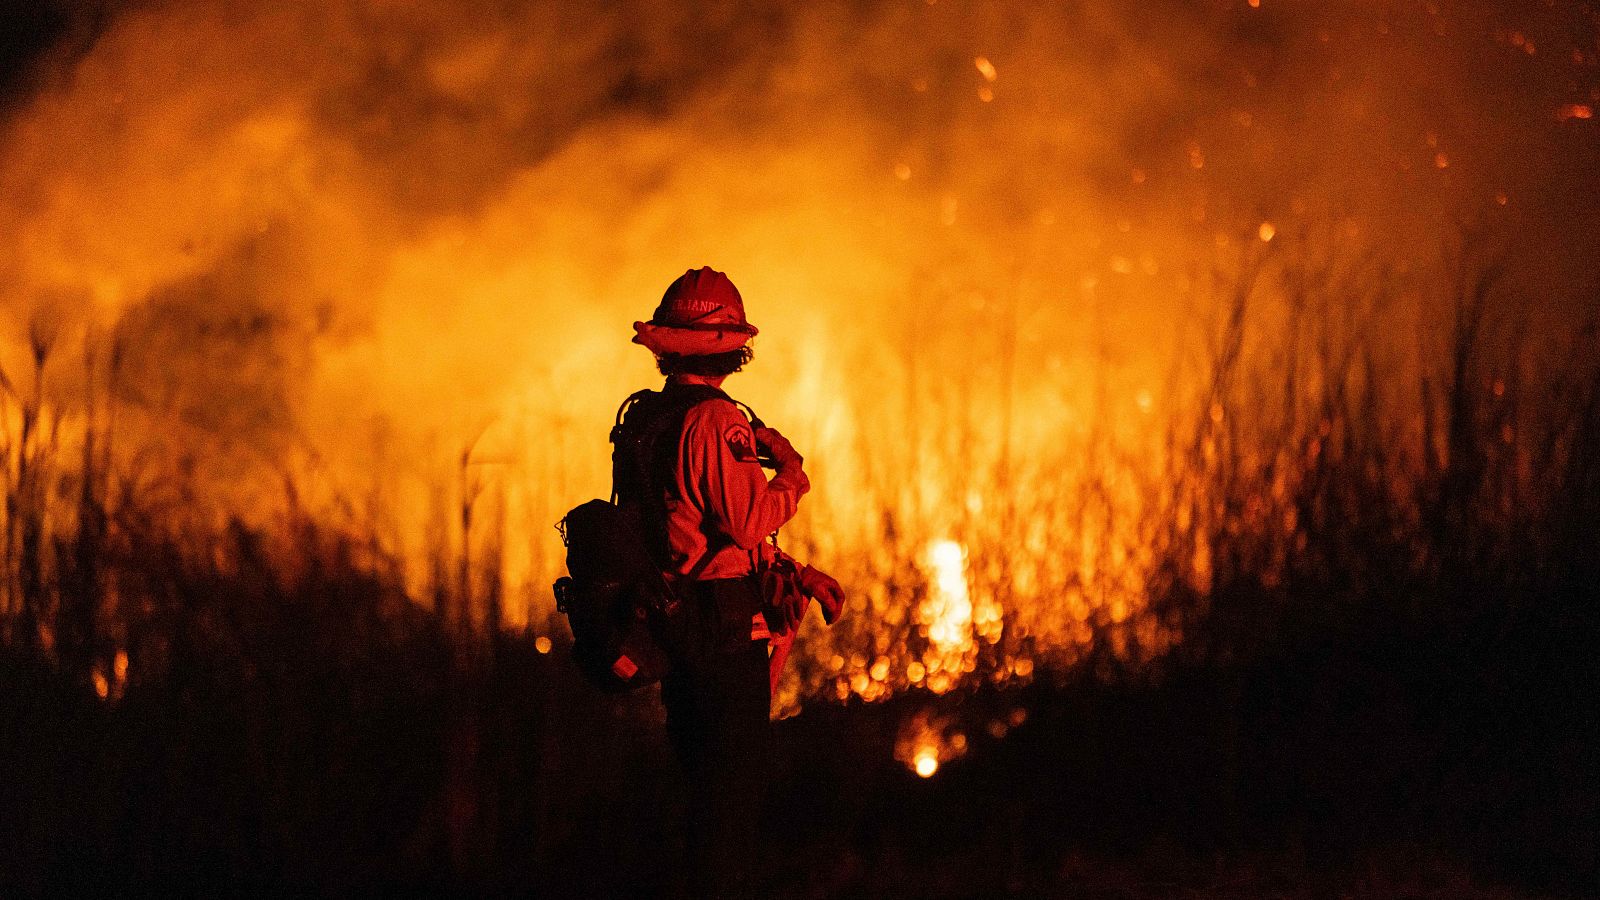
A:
356, 243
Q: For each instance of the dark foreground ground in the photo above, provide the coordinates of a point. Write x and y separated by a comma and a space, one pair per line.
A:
418, 770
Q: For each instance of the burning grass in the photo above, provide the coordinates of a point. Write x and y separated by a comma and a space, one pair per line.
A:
1196, 474
1303, 451
1307, 543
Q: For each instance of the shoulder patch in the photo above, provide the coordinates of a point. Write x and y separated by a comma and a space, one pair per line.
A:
741, 442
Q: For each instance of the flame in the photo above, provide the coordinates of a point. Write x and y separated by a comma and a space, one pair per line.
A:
375, 268
948, 617
948, 611
927, 741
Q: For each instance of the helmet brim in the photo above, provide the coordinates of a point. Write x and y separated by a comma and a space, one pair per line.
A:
664, 339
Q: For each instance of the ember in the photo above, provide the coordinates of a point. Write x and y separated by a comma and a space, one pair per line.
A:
927, 741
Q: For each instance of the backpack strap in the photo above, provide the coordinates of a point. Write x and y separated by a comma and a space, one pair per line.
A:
617, 434
643, 457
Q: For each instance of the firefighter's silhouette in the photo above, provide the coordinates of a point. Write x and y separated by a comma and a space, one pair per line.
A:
708, 509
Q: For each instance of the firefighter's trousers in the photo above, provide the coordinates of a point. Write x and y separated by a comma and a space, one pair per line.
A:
717, 701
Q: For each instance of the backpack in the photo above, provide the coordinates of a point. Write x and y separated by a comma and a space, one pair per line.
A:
616, 592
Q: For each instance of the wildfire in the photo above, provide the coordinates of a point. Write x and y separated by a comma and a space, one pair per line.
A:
267, 281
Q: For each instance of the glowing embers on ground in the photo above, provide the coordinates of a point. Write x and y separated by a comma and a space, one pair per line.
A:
933, 737
110, 686
928, 740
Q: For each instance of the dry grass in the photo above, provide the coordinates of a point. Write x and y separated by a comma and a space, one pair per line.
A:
1347, 587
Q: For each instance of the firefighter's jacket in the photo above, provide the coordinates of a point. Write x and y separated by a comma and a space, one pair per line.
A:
723, 504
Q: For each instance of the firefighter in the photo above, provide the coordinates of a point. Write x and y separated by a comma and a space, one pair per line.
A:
719, 506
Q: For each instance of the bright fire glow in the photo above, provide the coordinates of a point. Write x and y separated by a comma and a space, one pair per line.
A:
948, 610
267, 281
950, 618
928, 740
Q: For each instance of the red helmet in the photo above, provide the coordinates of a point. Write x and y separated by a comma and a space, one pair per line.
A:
700, 313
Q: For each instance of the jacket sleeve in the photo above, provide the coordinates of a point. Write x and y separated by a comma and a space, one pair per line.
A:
728, 484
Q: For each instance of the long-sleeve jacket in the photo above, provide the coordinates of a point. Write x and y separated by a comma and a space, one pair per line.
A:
723, 504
